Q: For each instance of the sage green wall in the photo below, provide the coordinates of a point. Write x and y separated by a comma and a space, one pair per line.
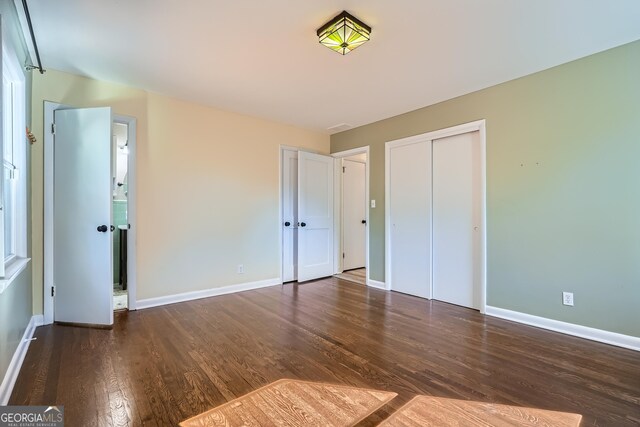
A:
16, 300
563, 187
15, 314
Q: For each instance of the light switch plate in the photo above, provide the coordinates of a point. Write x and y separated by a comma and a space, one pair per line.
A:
373, 203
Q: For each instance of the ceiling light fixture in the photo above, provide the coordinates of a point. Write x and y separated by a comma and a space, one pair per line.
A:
344, 33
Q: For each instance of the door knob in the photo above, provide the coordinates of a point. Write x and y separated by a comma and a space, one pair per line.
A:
364, 221
303, 224
286, 224
102, 228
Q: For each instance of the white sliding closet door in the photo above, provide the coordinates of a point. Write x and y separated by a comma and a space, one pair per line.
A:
457, 219
410, 218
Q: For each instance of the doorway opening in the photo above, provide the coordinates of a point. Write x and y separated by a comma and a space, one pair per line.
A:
120, 187
352, 215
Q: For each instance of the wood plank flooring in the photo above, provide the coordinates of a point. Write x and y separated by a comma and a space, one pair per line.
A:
358, 275
163, 365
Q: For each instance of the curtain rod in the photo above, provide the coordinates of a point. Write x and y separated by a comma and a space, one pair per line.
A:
33, 38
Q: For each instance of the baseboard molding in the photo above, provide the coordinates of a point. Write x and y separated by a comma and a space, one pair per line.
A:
613, 338
190, 296
13, 370
377, 284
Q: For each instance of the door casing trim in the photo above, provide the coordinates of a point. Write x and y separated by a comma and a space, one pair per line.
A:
337, 206
48, 176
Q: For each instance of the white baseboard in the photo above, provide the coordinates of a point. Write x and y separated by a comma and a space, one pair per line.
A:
13, 370
376, 284
189, 296
613, 338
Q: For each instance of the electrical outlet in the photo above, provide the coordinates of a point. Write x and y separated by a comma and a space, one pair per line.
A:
240, 269
567, 298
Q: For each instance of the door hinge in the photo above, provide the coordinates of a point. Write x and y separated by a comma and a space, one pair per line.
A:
53, 291
342, 254
53, 128
344, 168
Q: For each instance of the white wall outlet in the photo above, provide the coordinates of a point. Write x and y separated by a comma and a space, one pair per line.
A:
373, 203
567, 298
240, 269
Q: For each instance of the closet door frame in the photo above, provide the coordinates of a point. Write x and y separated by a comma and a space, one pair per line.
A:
338, 209
480, 127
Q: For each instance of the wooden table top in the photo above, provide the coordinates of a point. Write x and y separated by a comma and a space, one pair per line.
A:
436, 411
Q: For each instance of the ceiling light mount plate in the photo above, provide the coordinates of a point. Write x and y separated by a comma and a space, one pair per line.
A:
344, 33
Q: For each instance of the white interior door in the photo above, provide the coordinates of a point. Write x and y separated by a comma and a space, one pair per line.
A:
315, 216
410, 218
82, 255
456, 219
354, 205
289, 215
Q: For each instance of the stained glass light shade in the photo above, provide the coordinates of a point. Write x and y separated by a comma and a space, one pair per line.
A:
344, 33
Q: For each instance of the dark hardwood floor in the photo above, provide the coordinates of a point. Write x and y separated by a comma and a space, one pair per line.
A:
162, 365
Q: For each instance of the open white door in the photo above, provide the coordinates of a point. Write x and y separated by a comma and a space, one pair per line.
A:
315, 216
354, 213
82, 243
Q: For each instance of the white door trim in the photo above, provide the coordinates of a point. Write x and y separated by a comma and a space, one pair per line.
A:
337, 197
49, 108
281, 150
480, 126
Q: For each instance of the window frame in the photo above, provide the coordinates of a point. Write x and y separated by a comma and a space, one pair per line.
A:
12, 77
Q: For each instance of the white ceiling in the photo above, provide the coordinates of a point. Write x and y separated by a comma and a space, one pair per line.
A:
262, 58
